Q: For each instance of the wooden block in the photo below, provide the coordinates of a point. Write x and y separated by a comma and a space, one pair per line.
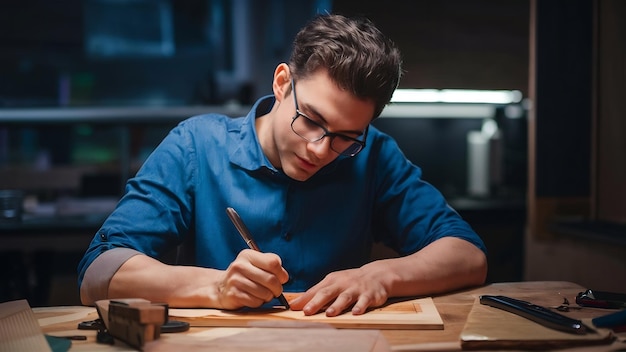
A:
133, 321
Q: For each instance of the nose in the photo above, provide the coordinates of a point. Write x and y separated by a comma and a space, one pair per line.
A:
321, 148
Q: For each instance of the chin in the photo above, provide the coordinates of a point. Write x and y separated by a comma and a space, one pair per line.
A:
298, 175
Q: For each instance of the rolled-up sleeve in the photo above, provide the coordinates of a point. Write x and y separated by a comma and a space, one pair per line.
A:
95, 283
153, 216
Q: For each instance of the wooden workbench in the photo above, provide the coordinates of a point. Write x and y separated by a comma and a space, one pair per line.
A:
454, 309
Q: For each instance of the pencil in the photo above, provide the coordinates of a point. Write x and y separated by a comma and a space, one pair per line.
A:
247, 237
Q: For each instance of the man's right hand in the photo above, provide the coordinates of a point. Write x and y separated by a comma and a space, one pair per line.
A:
251, 280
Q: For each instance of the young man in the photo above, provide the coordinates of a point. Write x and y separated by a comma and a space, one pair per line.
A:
315, 184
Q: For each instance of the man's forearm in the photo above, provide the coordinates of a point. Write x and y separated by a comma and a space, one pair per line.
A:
444, 265
179, 286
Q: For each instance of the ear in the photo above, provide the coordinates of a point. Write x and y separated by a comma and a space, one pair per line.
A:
281, 82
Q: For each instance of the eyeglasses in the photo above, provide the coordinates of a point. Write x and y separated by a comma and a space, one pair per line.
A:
312, 131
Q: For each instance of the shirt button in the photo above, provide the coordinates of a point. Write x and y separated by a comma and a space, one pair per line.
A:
103, 236
287, 236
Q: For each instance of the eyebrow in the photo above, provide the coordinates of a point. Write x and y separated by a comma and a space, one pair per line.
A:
321, 117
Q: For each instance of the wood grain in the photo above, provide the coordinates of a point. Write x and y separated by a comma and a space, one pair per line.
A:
414, 314
492, 328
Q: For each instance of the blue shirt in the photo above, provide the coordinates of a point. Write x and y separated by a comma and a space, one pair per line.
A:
326, 223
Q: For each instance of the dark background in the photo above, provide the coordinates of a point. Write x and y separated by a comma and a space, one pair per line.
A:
222, 53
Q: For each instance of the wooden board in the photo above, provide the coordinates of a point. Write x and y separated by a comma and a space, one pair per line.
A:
272, 340
493, 328
418, 314
19, 330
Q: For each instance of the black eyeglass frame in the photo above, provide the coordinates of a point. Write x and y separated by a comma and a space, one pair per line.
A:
346, 152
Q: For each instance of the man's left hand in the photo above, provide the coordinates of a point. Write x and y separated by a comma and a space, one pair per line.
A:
358, 289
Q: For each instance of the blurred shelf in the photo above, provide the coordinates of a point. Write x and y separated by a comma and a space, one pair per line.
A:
114, 115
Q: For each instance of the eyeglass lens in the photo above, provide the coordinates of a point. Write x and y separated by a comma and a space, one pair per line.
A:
312, 132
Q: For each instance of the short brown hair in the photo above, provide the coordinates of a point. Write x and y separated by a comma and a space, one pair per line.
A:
356, 54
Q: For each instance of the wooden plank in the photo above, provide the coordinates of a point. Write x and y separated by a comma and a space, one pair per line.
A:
416, 314
493, 328
19, 330
271, 340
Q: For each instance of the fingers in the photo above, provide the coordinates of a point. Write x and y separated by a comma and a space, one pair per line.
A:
318, 301
245, 279
340, 292
236, 293
357, 304
341, 303
334, 304
331, 299
266, 269
253, 279
363, 303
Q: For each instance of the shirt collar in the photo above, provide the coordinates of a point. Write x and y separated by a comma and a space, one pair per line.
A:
245, 149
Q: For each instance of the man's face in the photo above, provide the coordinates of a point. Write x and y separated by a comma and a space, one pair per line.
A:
323, 102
